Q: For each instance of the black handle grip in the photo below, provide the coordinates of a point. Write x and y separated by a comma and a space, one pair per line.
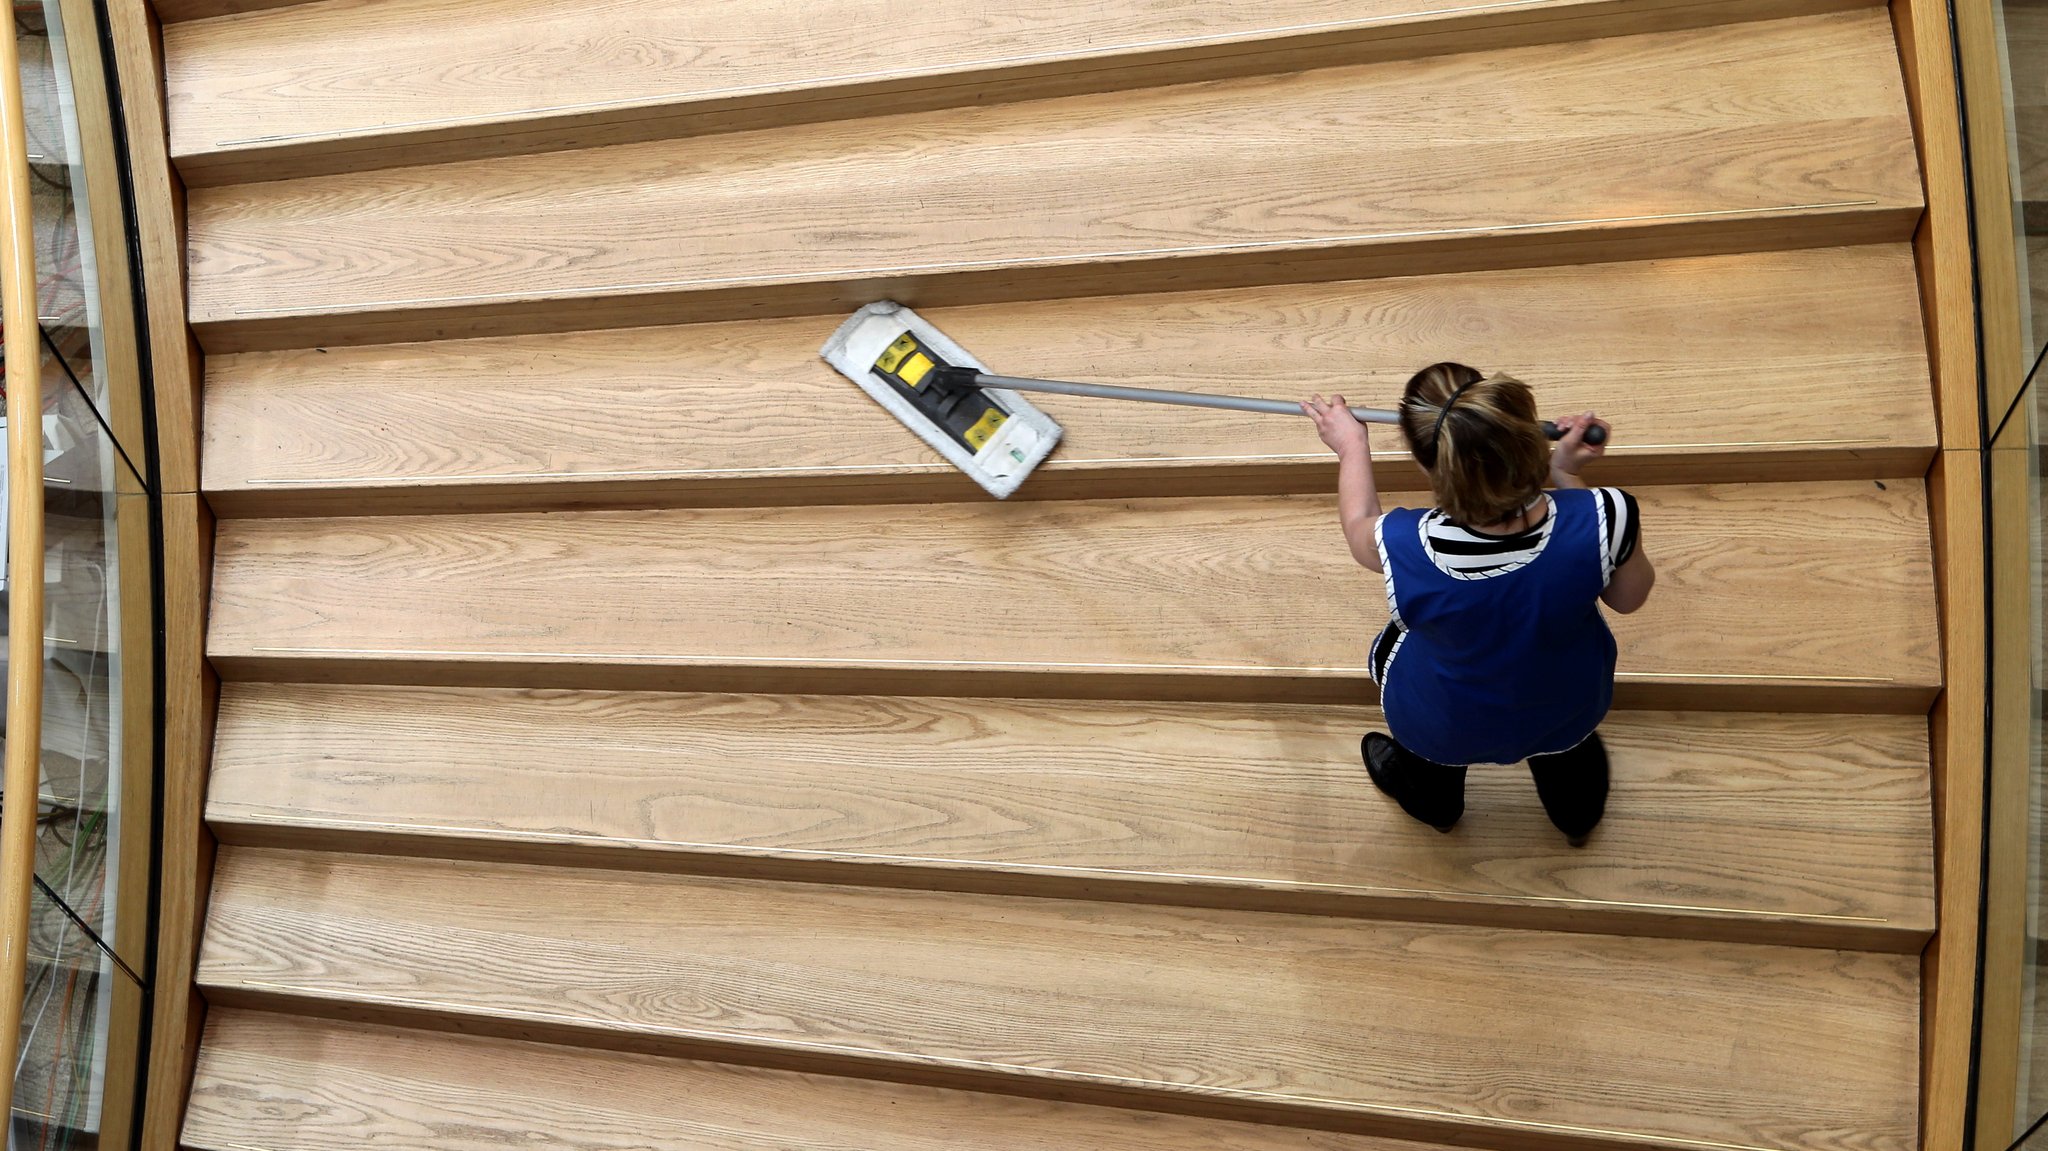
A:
1595, 435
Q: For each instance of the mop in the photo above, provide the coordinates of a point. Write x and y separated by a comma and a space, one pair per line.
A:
975, 418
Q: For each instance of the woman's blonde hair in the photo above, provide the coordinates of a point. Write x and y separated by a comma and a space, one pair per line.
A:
1479, 439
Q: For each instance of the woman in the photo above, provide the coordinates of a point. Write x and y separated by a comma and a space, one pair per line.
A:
1495, 651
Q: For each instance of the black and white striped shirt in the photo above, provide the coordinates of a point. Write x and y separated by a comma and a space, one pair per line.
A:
1461, 553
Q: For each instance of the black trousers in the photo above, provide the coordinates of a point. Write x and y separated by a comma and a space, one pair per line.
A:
1572, 785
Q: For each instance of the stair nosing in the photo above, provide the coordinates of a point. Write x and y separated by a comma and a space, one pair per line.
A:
1659, 691
1078, 884
940, 483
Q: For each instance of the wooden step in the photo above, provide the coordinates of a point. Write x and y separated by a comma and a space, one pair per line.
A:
1706, 371
265, 97
299, 1084
1790, 829
1482, 1035
1808, 596
1786, 133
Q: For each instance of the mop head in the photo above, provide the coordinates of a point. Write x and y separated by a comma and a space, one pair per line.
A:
992, 434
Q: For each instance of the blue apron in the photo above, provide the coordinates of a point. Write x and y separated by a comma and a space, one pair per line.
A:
1497, 668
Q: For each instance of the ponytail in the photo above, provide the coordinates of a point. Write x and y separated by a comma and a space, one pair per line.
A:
1479, 439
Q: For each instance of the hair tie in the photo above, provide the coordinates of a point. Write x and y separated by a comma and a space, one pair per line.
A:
1436, 433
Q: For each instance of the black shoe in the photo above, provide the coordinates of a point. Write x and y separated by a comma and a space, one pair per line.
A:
1378, 752
1390, 767
1573, 787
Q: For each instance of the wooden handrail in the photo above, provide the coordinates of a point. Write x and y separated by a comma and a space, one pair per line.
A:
19, 327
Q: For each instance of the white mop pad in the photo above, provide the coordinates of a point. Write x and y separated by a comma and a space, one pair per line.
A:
1014, 447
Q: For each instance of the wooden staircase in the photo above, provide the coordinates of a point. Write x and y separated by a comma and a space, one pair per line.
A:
633, 738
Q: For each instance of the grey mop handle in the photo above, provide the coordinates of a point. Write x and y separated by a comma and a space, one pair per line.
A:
1594, 435
1161, 396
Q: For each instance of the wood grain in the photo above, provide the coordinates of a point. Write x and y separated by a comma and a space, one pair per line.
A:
1794, 586
1702, 366
185, 856
137, 627
264, 97
2005, 350
1087, 194
1412, 1026
159, 207
1810, 829
288, 1084
1958, 739
185, 860
1186, 950
1941, 242
1942, 245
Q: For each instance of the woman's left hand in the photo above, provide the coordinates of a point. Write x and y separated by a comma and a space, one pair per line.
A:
1573, 453
1339, 429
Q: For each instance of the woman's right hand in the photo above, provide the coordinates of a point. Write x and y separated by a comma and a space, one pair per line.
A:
1572, 452
1340, 430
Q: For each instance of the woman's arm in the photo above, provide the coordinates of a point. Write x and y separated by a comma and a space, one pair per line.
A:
1631, 584
1358, 498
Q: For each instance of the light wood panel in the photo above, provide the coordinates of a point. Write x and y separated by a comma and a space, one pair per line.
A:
1958, 737
138, 626
288, 1084
1765, 592
2005, 351
1942, 245
159, 212
1941, 242
185, 859
1723, 368
1091, 194
1263, 807
1409, 1028
264, 97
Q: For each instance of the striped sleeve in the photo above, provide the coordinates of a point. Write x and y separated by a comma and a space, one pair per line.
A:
1620, 525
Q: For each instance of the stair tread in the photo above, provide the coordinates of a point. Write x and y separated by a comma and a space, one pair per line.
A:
746, 412
1805, 828
1767, 589
806, 216
1472, 1030
265, 97
302, 1084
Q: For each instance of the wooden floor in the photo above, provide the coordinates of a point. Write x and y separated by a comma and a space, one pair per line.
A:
632, 737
